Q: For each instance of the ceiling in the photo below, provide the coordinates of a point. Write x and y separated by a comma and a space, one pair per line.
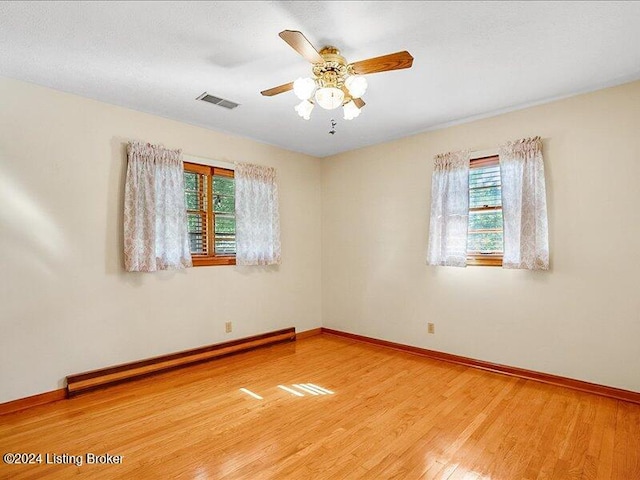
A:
472, 59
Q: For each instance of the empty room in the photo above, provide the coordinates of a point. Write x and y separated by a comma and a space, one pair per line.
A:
320, 240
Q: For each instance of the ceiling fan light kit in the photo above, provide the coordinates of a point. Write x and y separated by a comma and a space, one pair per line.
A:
329, 98
351, 111
335, 82
304, 88
356, 85
304, 109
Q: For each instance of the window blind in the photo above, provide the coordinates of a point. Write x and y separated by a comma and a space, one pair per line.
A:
211, 220
485, 235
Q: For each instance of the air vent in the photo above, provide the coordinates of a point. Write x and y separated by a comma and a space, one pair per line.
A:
205, 97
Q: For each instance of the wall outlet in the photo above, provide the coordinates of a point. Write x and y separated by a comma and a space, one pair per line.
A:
431, 327
228, 327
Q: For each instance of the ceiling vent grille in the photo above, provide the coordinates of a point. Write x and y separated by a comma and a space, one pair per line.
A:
205, 97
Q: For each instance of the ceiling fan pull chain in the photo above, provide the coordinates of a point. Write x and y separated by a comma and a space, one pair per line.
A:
333, 127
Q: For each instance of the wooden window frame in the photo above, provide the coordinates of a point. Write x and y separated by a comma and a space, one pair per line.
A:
210, 259
485, 260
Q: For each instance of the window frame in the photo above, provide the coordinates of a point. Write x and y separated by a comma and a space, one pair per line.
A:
485, 260
210, 171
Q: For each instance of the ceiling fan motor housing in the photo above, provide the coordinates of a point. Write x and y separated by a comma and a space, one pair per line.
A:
334, 71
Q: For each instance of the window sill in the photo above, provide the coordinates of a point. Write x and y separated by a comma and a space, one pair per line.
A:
208, 261
484, 261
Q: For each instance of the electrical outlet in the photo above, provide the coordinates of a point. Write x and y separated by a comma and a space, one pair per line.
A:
228, 327
431, 327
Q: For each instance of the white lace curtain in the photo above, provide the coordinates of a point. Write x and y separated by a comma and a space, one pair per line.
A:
257, 215
524, 205
155, 218
449, 210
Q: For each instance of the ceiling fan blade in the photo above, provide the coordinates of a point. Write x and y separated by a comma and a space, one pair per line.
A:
300, 44
276, 90
393, 61
359, 102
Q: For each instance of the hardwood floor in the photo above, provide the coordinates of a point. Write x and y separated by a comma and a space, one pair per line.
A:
392, 416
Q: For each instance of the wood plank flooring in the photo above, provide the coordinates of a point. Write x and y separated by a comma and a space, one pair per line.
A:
392, 415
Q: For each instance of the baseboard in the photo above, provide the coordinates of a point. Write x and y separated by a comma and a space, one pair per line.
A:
309, 333
88, 381
611, 392
33, 401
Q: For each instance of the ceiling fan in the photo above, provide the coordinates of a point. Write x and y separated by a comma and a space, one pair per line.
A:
334, 82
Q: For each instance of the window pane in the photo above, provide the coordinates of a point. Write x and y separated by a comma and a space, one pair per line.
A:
223, 186
224, 204
485, 197
195, 185
225, 246
485, 242
193, 200
194, 223
190, 181
225, 224
490, 220
196, 234
484, 177
196, 244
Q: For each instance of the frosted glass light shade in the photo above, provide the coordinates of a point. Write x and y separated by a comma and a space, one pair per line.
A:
303, 88
351, 111
356, 85
329, 97
304, 109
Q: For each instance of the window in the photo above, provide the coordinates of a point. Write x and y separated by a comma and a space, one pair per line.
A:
210, 199
485, 235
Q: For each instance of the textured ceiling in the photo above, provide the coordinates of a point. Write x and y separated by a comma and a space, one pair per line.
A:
472, 59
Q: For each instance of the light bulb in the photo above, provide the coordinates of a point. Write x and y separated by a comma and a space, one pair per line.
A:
329, 97
356, 85
303, 88
304, 109
350, 110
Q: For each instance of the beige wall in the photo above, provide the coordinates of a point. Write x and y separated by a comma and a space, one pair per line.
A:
580, 320
66, 305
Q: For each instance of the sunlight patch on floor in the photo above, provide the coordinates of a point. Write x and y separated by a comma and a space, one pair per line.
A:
249, 392
296, 389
